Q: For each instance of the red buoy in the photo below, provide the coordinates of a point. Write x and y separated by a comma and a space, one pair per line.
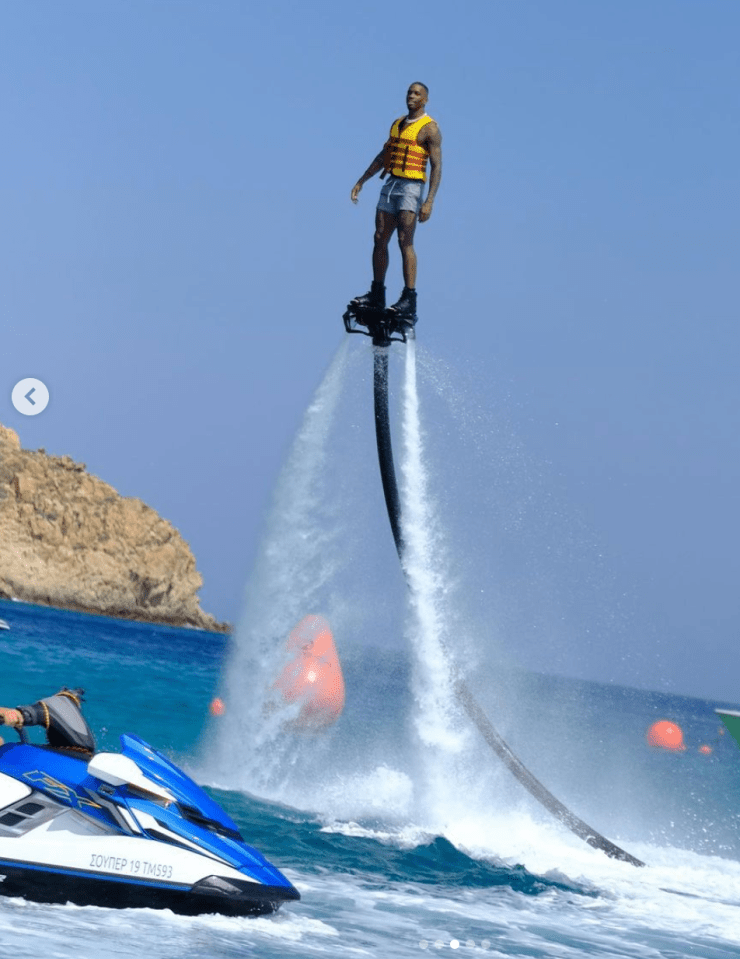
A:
666, 735
313, 675
705, 750
217, 707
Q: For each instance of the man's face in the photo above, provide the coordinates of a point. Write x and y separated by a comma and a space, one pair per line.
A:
415, 97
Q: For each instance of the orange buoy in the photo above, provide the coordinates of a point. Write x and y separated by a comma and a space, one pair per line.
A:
666, 735
217, 707
705, 750
313, 676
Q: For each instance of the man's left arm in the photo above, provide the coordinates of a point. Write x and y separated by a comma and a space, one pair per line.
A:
433, 143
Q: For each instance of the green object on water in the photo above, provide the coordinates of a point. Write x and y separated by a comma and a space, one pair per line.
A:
731, 719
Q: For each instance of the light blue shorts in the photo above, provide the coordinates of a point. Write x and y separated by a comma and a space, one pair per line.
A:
400, 193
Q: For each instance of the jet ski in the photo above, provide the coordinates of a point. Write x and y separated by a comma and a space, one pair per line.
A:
124, 829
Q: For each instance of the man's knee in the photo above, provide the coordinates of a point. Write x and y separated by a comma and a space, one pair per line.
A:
406, 240
380, 240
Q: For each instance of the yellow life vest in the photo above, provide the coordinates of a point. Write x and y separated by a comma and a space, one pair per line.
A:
403, 155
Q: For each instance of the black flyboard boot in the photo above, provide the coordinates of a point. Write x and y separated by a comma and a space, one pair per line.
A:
374, 300
383, 325
405, 309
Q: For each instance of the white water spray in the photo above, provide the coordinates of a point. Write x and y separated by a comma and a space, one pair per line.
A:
297, 559
437, 719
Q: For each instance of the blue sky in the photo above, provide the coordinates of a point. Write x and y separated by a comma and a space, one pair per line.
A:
179, 245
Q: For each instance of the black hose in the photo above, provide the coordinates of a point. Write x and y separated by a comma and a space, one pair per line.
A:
462, 690
385, 447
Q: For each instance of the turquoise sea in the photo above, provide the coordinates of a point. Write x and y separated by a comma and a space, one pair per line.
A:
381, 873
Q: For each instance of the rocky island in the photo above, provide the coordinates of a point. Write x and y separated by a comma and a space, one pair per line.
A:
69, 540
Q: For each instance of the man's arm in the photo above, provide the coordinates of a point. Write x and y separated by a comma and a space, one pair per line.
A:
376, 166
432, 141
35, 715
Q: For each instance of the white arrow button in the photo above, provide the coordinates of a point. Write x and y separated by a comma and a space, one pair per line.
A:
30, 396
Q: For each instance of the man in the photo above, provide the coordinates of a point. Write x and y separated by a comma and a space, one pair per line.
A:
61, 716
413, 140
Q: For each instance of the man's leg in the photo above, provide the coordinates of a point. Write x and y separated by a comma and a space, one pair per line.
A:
405, 308
406, 229
385, 224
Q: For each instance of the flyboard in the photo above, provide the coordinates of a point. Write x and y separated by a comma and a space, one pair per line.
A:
386, 327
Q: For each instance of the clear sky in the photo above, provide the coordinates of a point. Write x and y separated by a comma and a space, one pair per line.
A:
179, 244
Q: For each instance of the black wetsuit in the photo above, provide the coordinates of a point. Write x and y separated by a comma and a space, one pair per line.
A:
62, 718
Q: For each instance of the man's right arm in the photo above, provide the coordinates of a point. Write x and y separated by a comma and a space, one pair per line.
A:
376, 166
34, 715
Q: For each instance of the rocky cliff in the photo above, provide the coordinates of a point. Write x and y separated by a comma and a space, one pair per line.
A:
68, 539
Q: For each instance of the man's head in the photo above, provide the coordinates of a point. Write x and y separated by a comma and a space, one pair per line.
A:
416, 96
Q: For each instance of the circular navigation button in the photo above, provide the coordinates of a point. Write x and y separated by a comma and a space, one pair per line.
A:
30, 396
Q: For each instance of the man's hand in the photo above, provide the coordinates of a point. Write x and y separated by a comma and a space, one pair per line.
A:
426, 211
355, 191
10, 717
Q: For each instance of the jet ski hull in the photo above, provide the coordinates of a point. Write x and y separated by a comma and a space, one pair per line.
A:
124, 830
40, 884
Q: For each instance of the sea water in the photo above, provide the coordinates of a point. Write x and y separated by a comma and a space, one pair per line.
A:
402, 831
502, 880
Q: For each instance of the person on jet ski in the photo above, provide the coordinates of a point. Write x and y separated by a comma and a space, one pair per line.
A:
61, 716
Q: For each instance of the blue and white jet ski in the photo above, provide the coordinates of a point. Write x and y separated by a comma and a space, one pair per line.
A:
124, 829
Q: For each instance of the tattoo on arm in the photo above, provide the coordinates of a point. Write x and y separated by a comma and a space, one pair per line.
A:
375, 167
434, 147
